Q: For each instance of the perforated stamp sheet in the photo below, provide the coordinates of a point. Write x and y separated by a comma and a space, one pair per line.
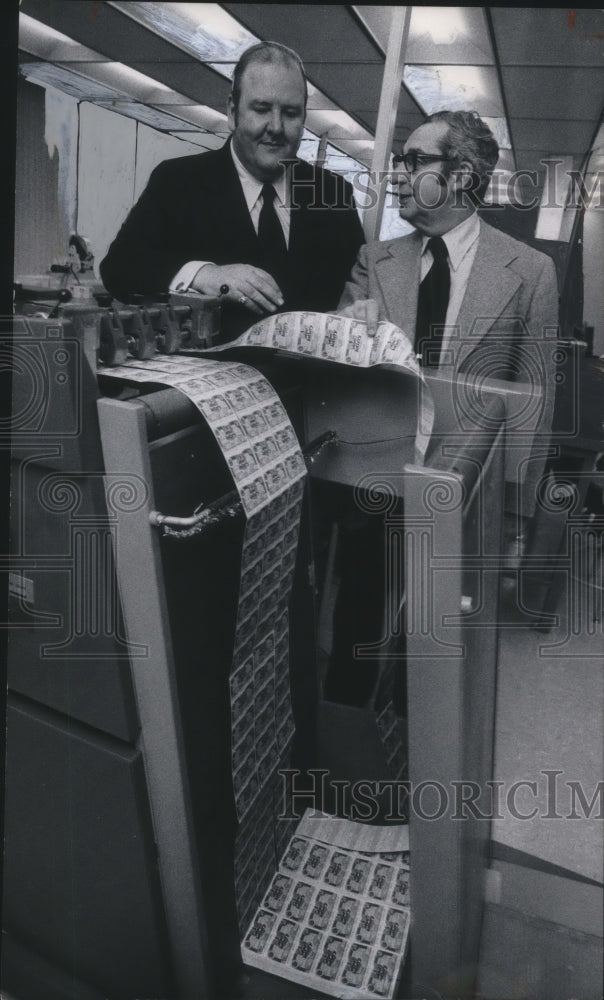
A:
334, 918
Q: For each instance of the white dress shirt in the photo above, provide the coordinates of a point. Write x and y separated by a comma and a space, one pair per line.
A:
461, 243
252, 189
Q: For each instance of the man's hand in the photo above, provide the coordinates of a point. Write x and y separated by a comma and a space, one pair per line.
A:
248, 286
367, 310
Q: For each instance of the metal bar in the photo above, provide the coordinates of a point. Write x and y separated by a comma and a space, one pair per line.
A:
451, 678
322, 150
228, 505
389, 99
137, 558
495, 51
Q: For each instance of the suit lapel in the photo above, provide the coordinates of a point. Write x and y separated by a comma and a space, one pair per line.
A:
236, 217
302, 193
490, 287
397, 272
236, 222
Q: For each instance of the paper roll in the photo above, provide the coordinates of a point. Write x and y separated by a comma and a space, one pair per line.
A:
261, 449
343, 340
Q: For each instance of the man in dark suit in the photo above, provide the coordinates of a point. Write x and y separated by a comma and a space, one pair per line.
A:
250, 221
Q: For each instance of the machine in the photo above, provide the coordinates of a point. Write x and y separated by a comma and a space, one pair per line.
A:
131, 864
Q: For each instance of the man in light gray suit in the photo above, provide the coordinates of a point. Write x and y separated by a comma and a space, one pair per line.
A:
477, 302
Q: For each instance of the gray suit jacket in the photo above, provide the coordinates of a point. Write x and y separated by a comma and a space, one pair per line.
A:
506, 328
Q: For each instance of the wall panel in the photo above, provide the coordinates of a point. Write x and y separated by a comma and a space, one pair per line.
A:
106, 170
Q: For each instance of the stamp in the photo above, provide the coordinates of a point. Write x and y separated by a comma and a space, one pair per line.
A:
306, 950
315, 862
277, 893
371, 914
300, 900
282, 941
356, 966
380, 883
345, 916
323, 907
359, 875
382, 974
259, 932
331, 958
337, 868
393, 935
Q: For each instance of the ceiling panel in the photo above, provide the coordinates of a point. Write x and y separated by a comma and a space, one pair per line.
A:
457, 35
206, 32
47, 43
320, 33
506, 160
47, 74
119, 38
406, 123
532, 36
192, 79
154, 117
349, 85
534, 92
131, 81
103, 29
551, 60
348, 70
548, 133
209, 140
596, 160
456, 88
537, 159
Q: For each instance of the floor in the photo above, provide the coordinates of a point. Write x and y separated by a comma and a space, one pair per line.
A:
549, 732
542, 932
543, 922
543, 925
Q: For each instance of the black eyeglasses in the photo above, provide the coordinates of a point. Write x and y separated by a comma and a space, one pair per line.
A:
413, 160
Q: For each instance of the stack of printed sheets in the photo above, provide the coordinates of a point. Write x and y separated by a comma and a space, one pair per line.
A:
336, 914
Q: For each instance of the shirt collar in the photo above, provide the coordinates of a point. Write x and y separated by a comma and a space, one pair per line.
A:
252, 187
459, 239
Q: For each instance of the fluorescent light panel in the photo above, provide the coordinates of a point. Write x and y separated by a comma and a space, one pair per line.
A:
552, 214
455, 88
128, 81
210, 34
340, 162
436, 34
204, 30
83, 89
441, 25
153, 117
88, 76
207, 32
449, 61
40, 40
49, 75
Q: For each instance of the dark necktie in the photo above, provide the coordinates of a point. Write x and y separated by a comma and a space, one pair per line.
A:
270, 237
432, 303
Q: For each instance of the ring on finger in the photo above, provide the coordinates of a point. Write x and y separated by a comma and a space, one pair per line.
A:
242, 299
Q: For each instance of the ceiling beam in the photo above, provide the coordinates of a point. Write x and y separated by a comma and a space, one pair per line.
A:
389, 101
506, 112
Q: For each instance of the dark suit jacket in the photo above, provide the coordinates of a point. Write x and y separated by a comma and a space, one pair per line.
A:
193, 208
506, 328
